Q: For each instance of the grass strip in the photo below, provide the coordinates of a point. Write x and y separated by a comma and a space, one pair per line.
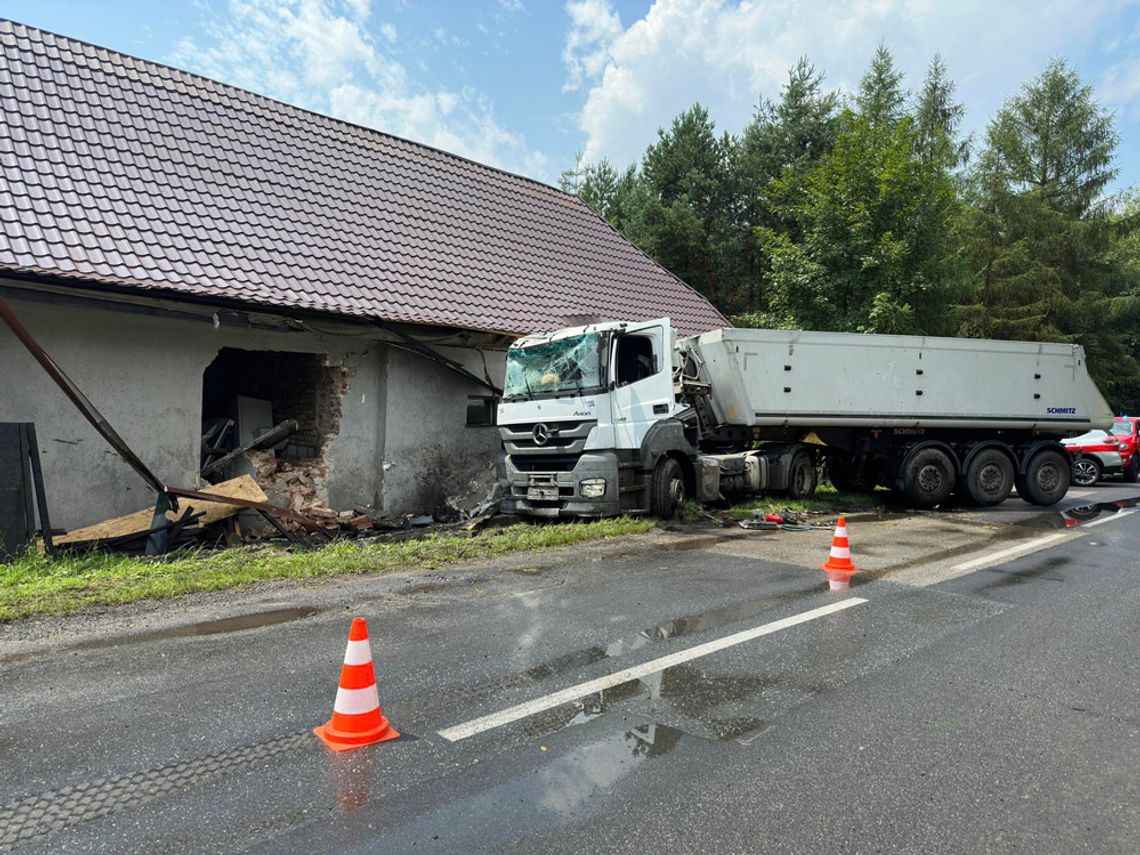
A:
36, 585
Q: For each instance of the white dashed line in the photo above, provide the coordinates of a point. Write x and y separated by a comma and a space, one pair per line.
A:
1006, 554
512, 714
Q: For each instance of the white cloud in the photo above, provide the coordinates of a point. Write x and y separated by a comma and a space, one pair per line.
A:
515, 7
728, 54
594, 25
321, 55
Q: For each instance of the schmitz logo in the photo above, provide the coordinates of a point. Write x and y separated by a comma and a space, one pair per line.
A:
1061, 411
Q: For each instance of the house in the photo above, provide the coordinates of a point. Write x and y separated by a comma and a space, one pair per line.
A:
193, 255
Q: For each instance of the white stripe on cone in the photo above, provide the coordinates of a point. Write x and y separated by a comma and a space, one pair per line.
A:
841, 552
841, 531
356, 701
358, 653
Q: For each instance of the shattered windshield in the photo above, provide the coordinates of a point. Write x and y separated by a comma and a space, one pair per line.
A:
568, 365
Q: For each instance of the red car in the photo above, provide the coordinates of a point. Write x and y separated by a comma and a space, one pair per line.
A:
1098, 454
1127, 429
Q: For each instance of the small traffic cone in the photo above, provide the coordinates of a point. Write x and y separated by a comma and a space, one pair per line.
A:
838, 566
356, 718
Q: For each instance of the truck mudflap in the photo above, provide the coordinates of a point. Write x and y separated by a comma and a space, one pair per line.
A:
590, 489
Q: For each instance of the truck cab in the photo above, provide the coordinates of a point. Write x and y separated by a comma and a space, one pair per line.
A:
579, 411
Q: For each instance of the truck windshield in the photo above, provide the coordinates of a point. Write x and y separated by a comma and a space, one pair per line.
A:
566, 366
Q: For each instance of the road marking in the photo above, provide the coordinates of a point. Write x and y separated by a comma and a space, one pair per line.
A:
1006, 554
511, 714
1116, 516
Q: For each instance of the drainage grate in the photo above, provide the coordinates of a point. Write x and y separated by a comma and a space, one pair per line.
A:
34, 816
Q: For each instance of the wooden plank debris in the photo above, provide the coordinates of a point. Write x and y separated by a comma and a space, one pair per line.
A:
243, 487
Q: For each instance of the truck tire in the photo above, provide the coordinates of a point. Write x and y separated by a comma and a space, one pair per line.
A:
841, 474
1132, 470
928, 477
1086, 471
989, 477
801, 476
1046, 478
666, 489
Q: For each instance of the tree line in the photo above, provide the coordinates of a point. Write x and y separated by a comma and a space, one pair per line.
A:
874, 213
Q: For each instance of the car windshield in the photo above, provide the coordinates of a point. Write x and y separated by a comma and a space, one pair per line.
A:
565, 366
1122, 428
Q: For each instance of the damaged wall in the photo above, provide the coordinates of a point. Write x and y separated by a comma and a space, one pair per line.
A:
431, 458
144, 373
400, 442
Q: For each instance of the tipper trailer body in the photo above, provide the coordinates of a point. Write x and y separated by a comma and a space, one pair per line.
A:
623, 418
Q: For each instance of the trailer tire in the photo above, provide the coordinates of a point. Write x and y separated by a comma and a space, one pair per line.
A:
1086, 471
666, 489
1046, 478
989, 477
928, 477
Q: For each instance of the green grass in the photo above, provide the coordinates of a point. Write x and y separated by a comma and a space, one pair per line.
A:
826, 500
36, 584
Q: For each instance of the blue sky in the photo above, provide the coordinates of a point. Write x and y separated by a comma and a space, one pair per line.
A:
524, 84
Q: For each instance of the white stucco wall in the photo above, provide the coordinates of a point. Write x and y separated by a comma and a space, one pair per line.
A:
144, 373
430, 455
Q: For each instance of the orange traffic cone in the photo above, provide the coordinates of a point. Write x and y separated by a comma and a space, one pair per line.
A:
838, 566
356, 718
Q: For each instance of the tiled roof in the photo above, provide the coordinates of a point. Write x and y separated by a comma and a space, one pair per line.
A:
121, 171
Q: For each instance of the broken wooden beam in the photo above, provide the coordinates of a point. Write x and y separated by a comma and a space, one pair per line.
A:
271, 437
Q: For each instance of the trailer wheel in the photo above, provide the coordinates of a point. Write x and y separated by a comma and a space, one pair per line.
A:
989, 477
1046, 478
1086, 471
928, 477
801, 476
667, 489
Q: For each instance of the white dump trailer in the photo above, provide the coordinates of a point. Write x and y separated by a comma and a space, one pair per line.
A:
623, 418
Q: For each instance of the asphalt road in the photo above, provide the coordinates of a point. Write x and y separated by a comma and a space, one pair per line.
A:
996, 710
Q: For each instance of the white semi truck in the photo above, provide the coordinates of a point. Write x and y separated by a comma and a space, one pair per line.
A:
616, 418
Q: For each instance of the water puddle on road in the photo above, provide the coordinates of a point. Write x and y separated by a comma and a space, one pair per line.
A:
236, 623
701, 703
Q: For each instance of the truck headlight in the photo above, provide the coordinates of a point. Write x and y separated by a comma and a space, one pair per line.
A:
592, 488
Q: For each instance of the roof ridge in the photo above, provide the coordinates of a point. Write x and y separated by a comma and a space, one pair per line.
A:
164, 71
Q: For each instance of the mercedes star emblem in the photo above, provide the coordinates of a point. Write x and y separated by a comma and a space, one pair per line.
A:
541, 434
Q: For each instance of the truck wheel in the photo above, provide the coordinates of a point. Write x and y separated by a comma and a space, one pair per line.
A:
928, 477
801, 476
1086, 471
841, 474
1132, 470
989, 477
667, 489
1046, 478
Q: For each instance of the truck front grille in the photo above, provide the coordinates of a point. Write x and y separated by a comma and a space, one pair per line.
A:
562, 437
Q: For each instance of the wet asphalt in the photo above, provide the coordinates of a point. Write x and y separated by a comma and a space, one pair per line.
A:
996, 711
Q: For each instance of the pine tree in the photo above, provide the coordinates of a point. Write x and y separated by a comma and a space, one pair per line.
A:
881, 99
937, 119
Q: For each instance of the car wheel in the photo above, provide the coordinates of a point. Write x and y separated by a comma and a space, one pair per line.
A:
928, 477
1086, 471
989, 477
1046, 478
667, 489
